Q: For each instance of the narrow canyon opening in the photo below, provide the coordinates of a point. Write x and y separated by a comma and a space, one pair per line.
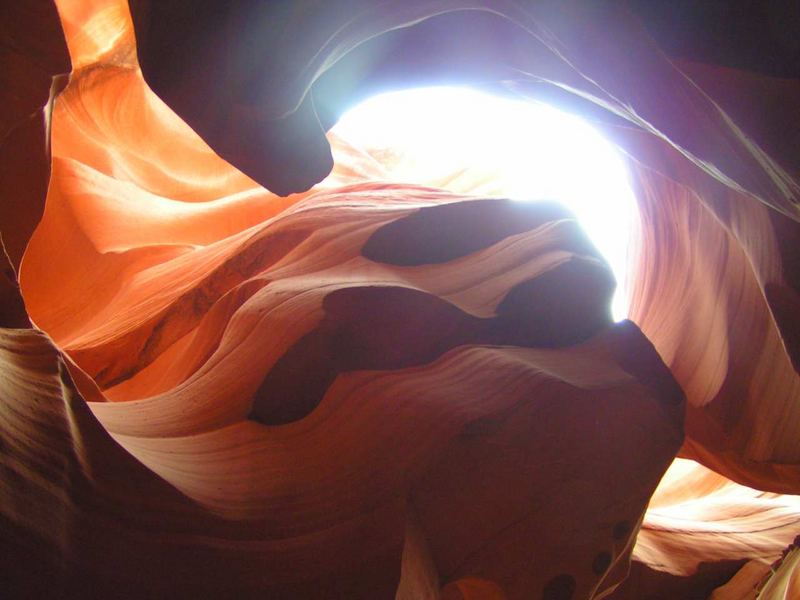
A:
469, 141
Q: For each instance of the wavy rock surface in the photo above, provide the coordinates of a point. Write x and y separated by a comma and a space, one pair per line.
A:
385, 389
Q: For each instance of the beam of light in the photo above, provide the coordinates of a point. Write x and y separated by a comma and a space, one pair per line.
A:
514, 149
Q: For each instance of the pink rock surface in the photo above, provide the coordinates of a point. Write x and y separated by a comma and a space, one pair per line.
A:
372, 388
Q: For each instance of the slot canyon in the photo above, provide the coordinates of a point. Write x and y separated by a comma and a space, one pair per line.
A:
244, 356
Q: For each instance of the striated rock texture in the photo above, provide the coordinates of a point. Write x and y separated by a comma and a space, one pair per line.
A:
260, 366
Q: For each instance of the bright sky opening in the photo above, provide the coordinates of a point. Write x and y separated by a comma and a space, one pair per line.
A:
531, 151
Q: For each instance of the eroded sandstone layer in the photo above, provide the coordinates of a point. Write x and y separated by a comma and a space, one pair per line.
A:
261, 366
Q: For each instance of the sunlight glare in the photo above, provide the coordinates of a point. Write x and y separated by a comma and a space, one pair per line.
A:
528, 151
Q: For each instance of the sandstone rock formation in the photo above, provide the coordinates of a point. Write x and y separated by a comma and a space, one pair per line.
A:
251, 363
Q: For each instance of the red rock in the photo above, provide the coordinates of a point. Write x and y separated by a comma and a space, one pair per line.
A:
368, 388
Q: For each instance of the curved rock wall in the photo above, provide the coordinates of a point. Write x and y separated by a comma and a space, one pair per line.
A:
369, 388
